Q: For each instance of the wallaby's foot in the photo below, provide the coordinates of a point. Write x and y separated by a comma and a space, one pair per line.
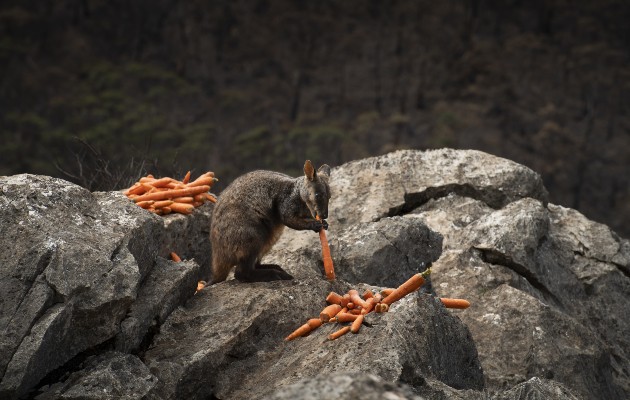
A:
260, 273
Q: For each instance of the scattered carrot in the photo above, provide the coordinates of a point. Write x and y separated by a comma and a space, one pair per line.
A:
159, 195
345, 317
455, 303
334, 298
329, 269
355, 298
310, 325
356, 325
175, 257
411, 285
329, 312
201, 285
387, 292
352, 307
339, 333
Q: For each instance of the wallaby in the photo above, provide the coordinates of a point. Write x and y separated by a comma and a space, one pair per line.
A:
251, 213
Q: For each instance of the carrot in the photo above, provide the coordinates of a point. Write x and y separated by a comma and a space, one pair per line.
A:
356, 325
173, 193
345, 300
334, 298
162, 182
162, 203
166, 210
354, 311
339, 333
355, 298
199, 198
135, 189
175, 257
186, 178
185, 199
378, 297
367, 294
182, 208
211, 198
381, 308
351, 305
346, 317
329, 269
145, 179
411, 285
197, 204
201, 285
455, 303
369, 305
310, 325
329, 312
387, 292
202, 181
145, 204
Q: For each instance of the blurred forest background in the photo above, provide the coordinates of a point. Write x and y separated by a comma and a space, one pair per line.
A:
102, 91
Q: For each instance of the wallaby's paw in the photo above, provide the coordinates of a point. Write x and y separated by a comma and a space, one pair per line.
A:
262, 274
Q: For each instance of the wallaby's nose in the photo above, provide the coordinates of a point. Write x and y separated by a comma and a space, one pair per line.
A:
323, 215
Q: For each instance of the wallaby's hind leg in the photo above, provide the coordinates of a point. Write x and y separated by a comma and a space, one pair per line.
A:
249, 270
274, 267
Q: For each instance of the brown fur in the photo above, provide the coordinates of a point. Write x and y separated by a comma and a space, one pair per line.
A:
251, 214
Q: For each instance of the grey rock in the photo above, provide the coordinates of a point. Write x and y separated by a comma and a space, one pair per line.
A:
212, 348
111, 375
537, 388
72, 265
396, 183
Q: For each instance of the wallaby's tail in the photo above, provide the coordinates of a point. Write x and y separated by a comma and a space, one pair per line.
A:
220, 268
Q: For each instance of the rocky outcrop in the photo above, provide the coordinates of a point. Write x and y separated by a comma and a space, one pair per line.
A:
94, 306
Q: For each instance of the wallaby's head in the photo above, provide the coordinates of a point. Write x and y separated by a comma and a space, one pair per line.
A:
315, 191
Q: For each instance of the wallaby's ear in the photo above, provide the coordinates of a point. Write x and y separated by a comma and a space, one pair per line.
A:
324, 170
309, 171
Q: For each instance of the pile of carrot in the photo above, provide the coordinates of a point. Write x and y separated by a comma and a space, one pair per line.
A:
351, 308
167, 195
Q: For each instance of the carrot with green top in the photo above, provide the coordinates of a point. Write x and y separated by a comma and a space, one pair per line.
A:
411, 285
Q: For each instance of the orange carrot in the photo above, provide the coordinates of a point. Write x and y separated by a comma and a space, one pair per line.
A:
387, 292
148, 178
367, 294
381, 308
455, 303
162, 203
166, 210
369, 305
329, 312
162, 182
202, 181
173, 193
329, 269
378, 297
186, 178
351, 305
356, 325
411, 285
211, 198
310, 325
201, 285
334, 298
355, 298
339, 333
354, 311
145, 204
200, 198
182, 208
346, 317
175, 257
345, 300
185, 199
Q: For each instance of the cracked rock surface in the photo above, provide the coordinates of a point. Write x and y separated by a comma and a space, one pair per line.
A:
91, 306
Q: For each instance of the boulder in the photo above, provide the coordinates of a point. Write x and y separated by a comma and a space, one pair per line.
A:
212, 348
72, 267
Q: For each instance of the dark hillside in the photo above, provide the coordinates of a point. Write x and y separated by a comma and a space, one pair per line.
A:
230, 86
